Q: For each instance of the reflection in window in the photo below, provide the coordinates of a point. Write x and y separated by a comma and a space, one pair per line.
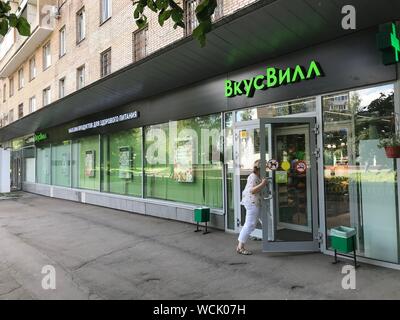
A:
86, 163
277, 110
183, 161
122, 162
61, 164
43, 165
360, 181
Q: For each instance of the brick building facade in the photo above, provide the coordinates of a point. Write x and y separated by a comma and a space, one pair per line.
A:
116, 34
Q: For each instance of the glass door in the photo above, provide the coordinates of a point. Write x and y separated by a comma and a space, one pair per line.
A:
290, 206
246, 151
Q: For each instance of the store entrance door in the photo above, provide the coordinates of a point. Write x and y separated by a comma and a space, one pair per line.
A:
246, 151
290, 205
16, 170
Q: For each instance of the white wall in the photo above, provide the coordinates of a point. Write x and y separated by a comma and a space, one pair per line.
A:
4, 170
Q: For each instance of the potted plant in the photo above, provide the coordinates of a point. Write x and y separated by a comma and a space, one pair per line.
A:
391, 141
391, 145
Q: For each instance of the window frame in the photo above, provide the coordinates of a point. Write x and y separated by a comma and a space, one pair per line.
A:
81, 13
62, 38
32, 73
31, 108
78, 70
21, 78
45, 47
142, 31
105, 53
61, 81
104, 19
20, 114
46, 93
11, 86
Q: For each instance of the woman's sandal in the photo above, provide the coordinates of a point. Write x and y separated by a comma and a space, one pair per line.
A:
244, 251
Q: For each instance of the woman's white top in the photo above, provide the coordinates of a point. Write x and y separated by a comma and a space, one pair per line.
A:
249, 198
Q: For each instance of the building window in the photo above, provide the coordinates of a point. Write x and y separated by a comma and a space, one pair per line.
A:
105, 10
11, 116
62, 42
105, 63
139, 44
32, 69
191, 21
80, 25
61, 88
80, 77
21, 80
46, 56
359, 179
46, 96
202, 169
4, 93
32, 104
11, 86
20, 111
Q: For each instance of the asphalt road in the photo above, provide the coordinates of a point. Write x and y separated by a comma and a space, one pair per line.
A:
99, 253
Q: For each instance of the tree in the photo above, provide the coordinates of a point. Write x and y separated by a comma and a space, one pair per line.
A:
11, 20
169, 9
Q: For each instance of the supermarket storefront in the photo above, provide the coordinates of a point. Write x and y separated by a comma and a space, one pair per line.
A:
315, 120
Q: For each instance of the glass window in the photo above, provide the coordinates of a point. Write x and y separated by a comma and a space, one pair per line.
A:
32, 69
140, 44
46, 96
80, 25
61, 88
11, 86
21, 81
86, 163
61, 164
123, 162
11, 115
105, 63
183, 161
360, 180
43, 165
46, 56
277, 110
62, 42
80, 77
20, 111
105, 9
29, 164
228, 148
32, 104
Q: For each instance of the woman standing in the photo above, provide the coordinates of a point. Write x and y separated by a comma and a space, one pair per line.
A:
251, 199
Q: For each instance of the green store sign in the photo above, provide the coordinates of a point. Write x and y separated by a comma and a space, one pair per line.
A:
272, 78
39, 137
388, 41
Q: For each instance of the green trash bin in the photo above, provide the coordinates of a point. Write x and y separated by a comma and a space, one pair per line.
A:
202, 215
343, 240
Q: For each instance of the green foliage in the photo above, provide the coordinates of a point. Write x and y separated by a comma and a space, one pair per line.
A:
169, 9
10, 20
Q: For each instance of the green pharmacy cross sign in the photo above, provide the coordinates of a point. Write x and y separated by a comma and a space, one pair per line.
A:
388, 41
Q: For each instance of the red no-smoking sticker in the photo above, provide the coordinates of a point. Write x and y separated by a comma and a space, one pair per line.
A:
301, 166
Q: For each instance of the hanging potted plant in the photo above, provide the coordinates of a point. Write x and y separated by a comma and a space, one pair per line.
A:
391, 145
391, 142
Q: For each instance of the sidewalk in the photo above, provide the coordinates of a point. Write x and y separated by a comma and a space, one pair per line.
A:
100, 253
